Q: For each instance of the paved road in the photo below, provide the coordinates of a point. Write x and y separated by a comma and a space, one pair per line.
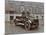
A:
12, 29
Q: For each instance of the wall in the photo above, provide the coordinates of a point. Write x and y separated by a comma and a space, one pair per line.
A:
7, 16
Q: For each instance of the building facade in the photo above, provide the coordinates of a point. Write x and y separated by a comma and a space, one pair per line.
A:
15, 8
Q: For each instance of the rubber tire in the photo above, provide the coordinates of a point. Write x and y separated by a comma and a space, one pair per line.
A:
37, 25
29, 26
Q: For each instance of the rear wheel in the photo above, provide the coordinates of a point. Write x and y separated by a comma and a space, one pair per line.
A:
37, 25
27, 25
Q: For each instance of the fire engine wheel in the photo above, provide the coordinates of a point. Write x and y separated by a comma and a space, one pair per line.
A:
37, 25
27, 26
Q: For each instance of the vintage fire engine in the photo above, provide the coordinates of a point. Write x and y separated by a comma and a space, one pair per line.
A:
28, 24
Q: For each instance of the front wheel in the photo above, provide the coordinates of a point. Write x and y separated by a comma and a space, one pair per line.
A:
27, 25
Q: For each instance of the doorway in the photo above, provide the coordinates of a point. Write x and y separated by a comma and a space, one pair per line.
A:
11, 17
42, 17
37, 17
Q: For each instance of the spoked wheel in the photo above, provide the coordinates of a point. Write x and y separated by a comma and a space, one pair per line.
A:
37, 25
27, 26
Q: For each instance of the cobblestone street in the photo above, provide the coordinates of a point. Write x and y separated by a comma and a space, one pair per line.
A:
12, 29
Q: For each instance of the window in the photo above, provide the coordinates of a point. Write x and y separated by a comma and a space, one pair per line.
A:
37, 17
6, 12
11, 12
22, 8
42, 17
11, 17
